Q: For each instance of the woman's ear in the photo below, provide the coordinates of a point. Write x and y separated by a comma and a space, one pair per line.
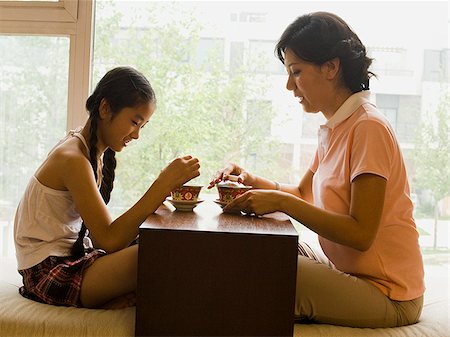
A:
332, 68
103, 109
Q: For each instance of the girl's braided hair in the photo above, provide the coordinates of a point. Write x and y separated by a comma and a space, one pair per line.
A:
121, 87
319, 37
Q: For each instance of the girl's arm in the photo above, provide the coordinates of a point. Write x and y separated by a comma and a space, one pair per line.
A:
115, 235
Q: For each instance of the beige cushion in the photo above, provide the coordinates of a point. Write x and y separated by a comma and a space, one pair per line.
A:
22, 317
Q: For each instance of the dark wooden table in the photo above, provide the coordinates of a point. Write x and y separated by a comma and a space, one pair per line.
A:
208, 273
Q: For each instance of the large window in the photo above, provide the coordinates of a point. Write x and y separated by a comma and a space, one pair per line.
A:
220, 89
211, 64
33, 113
45, 48
222, 97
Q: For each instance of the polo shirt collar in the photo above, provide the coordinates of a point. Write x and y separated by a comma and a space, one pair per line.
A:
348, 107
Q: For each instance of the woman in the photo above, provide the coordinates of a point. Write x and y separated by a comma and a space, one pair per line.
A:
67, 196
355, 195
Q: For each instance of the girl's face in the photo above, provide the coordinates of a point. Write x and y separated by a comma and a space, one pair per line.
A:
115, 132
306, 80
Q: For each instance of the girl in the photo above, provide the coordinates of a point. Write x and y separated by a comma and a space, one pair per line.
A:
67, 196
355, 195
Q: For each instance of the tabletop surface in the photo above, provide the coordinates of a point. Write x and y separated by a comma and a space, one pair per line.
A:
208, 216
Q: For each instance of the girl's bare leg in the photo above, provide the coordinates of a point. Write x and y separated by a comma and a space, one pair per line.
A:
109, 277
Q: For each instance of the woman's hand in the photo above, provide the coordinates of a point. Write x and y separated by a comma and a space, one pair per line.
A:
244, 177
257, 202
179, 171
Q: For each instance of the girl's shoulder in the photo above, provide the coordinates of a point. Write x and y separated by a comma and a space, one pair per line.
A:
66, 159
71, 152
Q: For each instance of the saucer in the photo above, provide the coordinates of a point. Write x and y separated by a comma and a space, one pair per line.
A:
223, 204
184, 205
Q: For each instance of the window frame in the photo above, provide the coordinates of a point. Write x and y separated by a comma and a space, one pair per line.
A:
71, 18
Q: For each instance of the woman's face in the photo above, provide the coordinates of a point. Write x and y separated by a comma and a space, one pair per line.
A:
116, 132
306, 80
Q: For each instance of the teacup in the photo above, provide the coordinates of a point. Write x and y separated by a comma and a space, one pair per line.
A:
186, 193
230, 190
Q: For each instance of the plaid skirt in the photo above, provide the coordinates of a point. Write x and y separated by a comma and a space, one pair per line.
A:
57, 280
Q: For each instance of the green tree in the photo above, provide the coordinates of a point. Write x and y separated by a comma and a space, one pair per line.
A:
432, 157
202, 107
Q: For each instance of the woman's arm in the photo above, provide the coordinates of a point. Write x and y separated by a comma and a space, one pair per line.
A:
303, 190
356, 229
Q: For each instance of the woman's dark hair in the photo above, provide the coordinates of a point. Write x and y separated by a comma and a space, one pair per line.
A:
319, 37
121, 87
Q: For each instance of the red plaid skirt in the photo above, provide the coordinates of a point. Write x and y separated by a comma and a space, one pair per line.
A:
57, 280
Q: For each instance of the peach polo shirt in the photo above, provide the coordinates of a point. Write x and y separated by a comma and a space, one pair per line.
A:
356, 140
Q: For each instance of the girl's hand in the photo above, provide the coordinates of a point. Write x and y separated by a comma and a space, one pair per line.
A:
244, 177
257, 202
179, 171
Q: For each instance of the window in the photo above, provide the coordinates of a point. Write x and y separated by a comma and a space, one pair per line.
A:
236, 55
436, 65
403, 113
221, 90
391, 115
388, 104
43, 87
210, 104
209, 50
390, 61
261, 58
34, 100
248, 17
